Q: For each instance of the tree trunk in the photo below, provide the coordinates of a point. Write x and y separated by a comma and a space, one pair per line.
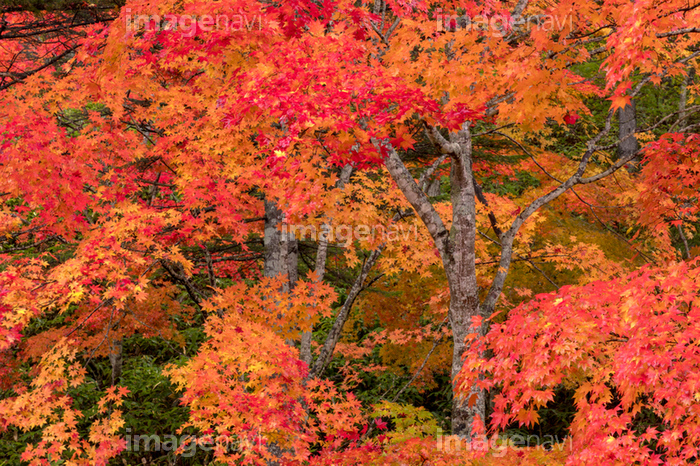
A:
628, 126
320, 269
457, 248
683, 100
459, 262
281, 258
465, 407
281, 247
434, 188
115, 360
457, 251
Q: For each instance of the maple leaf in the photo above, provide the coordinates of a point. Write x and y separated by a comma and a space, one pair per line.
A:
619, 101
403, 140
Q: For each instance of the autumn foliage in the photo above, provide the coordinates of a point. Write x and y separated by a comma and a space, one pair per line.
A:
331, 232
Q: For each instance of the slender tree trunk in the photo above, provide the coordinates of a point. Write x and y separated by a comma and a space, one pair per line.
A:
628, 126
434, 188
682, 102
320, 268
281, 250
457, 247
326, 351
115, 360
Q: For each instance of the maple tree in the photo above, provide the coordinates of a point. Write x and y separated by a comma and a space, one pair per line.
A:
161, 173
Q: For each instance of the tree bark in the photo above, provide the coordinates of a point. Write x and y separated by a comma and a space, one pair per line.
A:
628, 126
683, 100
115, 360
460, 262
281, 248
329, 345
281, 258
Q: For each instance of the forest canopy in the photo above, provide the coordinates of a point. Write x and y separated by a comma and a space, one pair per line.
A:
324, 232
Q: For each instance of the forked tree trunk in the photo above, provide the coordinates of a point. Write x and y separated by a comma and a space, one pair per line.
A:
459, 261
457, 251
457, 247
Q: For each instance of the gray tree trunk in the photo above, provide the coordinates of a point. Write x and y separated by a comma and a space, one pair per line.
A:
683, 101
281, 249
628, 145
457, 251
460, 261
281, 258
434, 188
115, 360
326, 351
